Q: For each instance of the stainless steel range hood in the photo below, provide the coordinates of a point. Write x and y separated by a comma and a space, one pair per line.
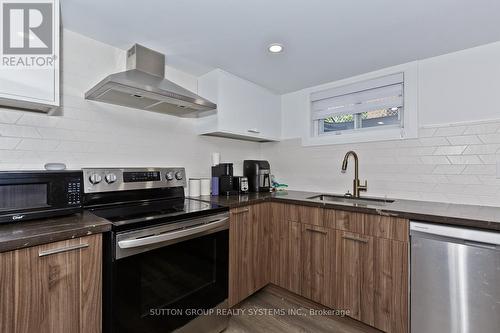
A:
143, 86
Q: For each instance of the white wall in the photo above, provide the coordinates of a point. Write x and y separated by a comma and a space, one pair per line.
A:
97, 134
446, 163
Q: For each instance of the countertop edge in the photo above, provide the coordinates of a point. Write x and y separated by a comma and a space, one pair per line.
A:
29, 237
491, 225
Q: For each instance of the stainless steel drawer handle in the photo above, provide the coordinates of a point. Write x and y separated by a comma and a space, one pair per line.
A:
316, 230
356, 239
241, 211
62, 249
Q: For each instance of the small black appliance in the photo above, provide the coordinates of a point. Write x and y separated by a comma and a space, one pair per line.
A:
258, 174
26, 195
224, 173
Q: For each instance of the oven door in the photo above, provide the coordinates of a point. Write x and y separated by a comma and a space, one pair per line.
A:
171, 278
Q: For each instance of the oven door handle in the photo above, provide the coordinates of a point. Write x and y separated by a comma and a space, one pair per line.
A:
168, 236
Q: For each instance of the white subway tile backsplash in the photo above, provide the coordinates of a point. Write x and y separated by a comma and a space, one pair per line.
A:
482, 128
436, 141
482, 149
37, 120
490, 138
464, 179
426, 132
484, 169
450, 131
19, 131
38, 145
449, 150
9, 116
435, 160
9, 143
448, 169
464, 140
464, 159
488, 159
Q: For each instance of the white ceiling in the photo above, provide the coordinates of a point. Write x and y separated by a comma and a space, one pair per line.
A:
325, 40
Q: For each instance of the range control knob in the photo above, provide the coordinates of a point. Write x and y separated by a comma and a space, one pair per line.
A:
110, 178
178, 175
169, 176
95, 178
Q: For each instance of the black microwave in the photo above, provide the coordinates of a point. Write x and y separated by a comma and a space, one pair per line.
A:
26, 195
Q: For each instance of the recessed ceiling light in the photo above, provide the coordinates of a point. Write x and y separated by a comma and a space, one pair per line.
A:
275, 48
380, 122
394, 109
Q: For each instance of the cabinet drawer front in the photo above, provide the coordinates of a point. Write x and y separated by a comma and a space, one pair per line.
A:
368, 224
304, 214
58, 291
348, 221
386, 227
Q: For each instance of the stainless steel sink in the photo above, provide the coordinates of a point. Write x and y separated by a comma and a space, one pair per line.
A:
364, 201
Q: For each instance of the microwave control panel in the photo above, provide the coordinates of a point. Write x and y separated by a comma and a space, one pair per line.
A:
74, 192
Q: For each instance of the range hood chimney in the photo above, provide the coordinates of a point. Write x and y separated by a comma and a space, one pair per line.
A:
143, 86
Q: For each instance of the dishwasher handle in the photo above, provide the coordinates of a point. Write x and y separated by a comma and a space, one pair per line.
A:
473, 237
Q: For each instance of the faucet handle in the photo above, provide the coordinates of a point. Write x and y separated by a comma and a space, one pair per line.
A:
363, 187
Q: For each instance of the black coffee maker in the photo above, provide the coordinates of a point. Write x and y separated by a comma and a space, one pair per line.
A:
258, 174
224, 173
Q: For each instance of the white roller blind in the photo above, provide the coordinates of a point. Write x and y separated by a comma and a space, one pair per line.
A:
380, 93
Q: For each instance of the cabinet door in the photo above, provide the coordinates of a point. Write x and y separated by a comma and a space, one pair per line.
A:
356, 284
260, 245
318, 264
52, 288
248, 251
285, 245
374, 280
390, 285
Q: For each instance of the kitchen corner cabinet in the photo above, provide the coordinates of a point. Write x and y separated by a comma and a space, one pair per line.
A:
342, 260
31, 81
249, 247
244, 110
52, 288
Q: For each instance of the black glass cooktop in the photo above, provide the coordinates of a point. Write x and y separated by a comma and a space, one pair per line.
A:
155, 211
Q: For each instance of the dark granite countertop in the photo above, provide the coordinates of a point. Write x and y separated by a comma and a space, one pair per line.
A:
30, 233
483, 217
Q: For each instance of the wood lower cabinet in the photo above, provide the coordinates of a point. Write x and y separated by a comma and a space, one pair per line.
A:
285, 261
319, 265
52, 288
373, 274
343, 260
249, 230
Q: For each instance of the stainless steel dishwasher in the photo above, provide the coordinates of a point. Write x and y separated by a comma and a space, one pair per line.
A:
455, 279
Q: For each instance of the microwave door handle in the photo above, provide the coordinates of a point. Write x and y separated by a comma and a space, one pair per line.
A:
168, 236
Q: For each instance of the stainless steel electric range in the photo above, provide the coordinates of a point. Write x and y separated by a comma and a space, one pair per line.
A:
166, 258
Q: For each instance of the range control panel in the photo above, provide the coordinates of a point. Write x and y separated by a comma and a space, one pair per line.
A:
124, 179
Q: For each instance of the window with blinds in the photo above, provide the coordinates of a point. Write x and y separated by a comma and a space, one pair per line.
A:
373, 104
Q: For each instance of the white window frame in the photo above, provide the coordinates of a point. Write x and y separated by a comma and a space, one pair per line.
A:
409, 129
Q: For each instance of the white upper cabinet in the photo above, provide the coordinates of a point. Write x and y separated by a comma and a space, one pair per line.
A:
29, 70
244, 110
